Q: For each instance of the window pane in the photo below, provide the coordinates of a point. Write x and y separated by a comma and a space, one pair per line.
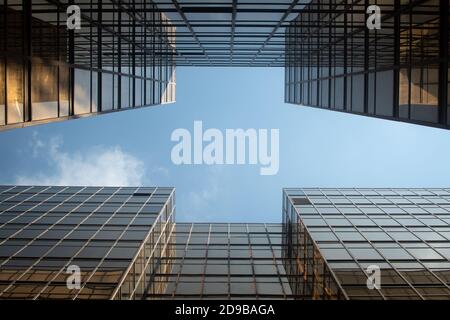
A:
385, 93
15, 90
2, 90
107, 91
424, 94
44, 91
82, 91
64, 82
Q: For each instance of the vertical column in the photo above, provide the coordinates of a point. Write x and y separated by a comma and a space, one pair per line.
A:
317, 20
298, 43
309, 61
153, 49
144, 56
330, 52
292, 85
344, 3
3, 46
443, 62
159, 58
396, 69
133, 58
99, 56
286, 65
119, 55
27, 50
58, 58
366, 61
71, 57
410, 60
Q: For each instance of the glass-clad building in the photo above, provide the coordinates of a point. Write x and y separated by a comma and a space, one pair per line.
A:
120, 57
124, 54
229, 33
83, 242
225, 261
334, 238
335, 59
124, 243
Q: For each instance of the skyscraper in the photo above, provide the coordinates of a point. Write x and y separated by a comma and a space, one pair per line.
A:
124, 55
367, 243
120, 57
336, 61
225, 261
83, 242
124, 243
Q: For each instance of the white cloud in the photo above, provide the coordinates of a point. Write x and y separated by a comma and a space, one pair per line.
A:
161, 171
201, 199
99, 166
36, 144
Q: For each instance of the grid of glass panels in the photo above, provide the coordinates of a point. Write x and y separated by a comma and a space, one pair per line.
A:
230, 32
120, 58
225, 261
114, 236
405, 232
399, 72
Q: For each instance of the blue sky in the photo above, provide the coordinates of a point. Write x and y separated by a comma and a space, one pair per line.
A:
318, 148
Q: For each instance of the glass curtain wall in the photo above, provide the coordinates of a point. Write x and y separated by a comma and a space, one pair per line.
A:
398, 72
120, 58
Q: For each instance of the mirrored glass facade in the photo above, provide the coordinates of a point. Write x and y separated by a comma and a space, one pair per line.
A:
230, 32
398, 72
121, 57
115, 237
126, 245
225, 261
125, 53
333, 236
